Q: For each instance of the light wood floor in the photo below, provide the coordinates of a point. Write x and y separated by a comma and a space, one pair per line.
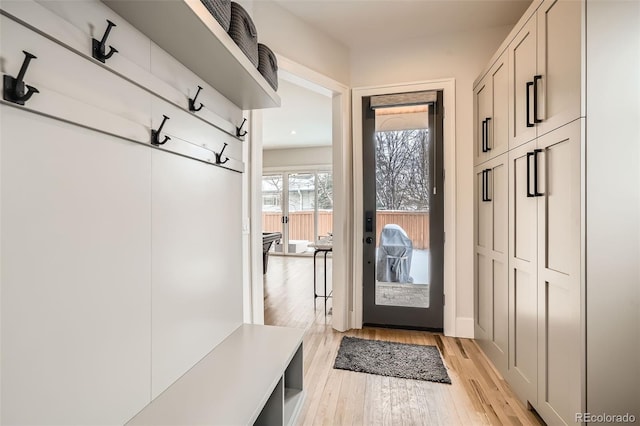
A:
478, 395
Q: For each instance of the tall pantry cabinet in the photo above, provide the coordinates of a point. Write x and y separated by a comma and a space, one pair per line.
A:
531, 317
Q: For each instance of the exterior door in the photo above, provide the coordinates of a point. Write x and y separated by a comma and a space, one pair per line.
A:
273, 214
403, 214
300, 206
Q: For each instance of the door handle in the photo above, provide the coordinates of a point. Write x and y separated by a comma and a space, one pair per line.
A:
484, 131
529, 155
487, 137
529, 84
368, 222
535, 173
368, 240
486, 184
535, 98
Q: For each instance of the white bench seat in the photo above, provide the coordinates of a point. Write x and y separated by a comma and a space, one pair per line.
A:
254, 376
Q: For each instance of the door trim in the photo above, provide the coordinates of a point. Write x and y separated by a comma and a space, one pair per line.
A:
448, 87
253, 284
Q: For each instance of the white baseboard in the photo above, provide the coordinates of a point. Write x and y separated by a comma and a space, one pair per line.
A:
464, 327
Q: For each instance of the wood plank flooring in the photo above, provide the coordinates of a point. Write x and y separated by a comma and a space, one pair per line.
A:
478, 395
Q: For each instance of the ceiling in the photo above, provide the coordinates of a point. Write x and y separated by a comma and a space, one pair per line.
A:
303, 120
305, 116
358, 23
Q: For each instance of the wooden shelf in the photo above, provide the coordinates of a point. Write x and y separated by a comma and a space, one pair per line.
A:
187, 31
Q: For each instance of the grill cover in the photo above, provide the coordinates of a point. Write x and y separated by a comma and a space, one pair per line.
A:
394, 255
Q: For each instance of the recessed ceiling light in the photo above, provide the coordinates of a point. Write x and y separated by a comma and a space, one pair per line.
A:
293, 132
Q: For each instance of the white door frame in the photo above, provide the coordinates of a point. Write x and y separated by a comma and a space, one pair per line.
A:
342, 275
448, 87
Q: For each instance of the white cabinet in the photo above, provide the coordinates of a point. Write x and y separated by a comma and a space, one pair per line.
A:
545, 63
559, 63
544, 333
544, 273
492, 303
558, 274
523, 255
491, 117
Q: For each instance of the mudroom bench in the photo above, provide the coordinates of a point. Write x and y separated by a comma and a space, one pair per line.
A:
254, 376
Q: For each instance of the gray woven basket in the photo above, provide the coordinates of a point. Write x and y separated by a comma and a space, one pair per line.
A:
221, 10
244, 33
268, 65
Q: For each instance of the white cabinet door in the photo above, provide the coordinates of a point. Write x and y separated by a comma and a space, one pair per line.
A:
491, 260
499, 123
522, 69
196, 262
498, 194
559, 225
76, 273
483, 279
491, 113
559, 63
523, 293
482, 109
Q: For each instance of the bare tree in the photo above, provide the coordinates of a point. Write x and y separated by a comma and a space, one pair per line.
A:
403, 170
324, 186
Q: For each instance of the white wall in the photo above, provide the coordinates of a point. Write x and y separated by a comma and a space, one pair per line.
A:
461, 56
613, 207
297, 158
292, 38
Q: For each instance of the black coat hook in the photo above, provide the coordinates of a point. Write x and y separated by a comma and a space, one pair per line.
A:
239, 131
14, 88
219, 156
192, 102
155, 134
99, 46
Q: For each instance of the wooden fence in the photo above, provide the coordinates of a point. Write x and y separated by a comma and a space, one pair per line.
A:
415, 224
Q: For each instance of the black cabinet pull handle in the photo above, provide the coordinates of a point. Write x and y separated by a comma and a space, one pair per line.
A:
484, 132
486, 184
487, 137
484, 191
535, 98
535, 173
529, 84
529, 155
